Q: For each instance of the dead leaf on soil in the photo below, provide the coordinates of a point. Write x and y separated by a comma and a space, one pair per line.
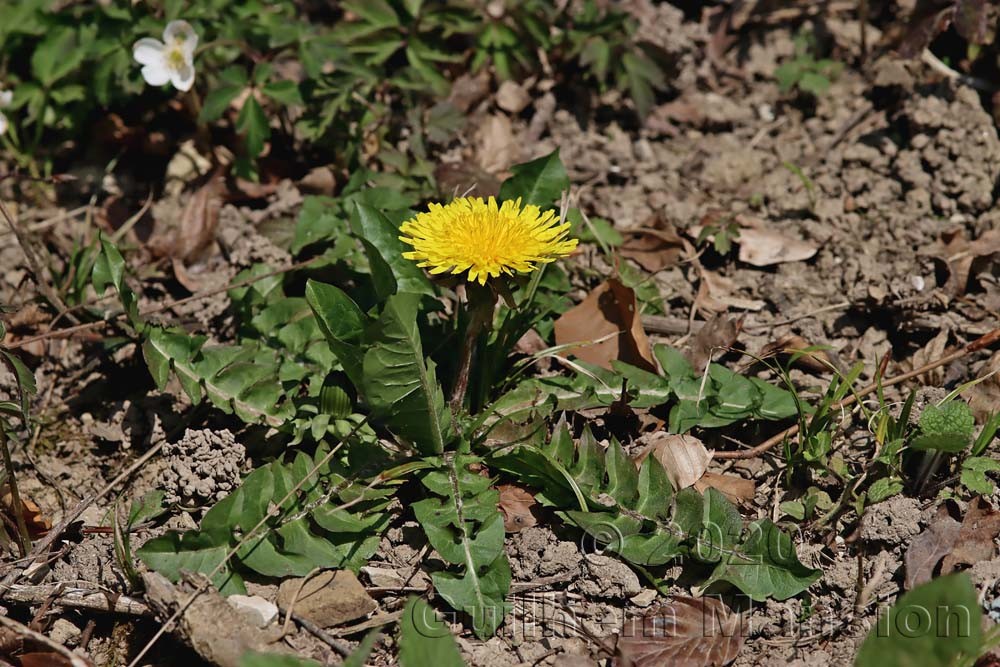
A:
496, 149
687, 632
469, 90
980, 528
715, 294
817, 361
35, 520
764, 247
515, 504
929, 547
984, 397
934, 349
718, 333
736, 489
684, 457
961, 255
655, 246
608, 310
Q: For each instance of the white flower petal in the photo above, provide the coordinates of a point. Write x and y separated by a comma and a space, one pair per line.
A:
6, 97
156, 74
183, 77
182, 34
148, 51
3, 124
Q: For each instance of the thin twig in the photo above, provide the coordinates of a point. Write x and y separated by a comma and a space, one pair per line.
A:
318, 632
976, 345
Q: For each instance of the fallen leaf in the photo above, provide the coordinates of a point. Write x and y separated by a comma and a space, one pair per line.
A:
764, 247
934, 349
515, 504
608, 310
984, 397
469, 90
980, 528
684, 457
715, 295
198, 221
687, 632
496, 149
817, 361
735, 489
961, 255
654, 247
929, 547
512, 97
35, 520
717, 334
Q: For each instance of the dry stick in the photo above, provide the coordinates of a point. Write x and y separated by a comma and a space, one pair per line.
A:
37, 637
251, 534
318, 632
33, 264
86, 326
76, 598
974, 346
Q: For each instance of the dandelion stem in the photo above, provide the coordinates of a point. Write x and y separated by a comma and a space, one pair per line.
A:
480, 307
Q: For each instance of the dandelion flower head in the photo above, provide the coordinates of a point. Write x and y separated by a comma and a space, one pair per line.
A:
485, 238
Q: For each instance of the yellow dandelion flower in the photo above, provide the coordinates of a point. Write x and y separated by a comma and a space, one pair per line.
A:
484, 238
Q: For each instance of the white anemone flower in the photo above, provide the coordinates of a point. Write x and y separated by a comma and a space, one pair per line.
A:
170, 60
6, 96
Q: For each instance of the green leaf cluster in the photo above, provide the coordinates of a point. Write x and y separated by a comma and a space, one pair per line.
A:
634, 513
464, 525
308, 530
947, 427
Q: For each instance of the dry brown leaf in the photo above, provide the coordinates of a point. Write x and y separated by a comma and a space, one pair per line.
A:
929, 547
655, 247
684, 457
512, 97
984, 397
469, 90
496, 148
198, 221
934, 349
764, 247
980, 528
718, 333
735, 489
515, 504
687, 632
608, 310
960, 255
817, 361
715, 295
36, 521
